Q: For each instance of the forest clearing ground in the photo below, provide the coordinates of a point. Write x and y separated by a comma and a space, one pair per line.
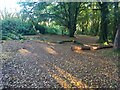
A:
37, 64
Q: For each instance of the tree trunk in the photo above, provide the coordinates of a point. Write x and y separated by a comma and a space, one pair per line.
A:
116, 17
83, 30
117, 40
72, 29
97, 29
73, 13
104, 23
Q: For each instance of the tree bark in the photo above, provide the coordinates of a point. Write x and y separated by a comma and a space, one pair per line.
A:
101, 47
117, 40
104, 22
79, 48
116, 19
73, 9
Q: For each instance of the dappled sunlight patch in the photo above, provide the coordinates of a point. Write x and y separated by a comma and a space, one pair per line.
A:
50, 50
49, 43
65, 79
24, 51
62, 82
73, 80
79, 52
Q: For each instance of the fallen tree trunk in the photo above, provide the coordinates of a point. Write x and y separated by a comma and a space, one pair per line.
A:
101, 47
79, 48
77, 42
90, 47
61, 42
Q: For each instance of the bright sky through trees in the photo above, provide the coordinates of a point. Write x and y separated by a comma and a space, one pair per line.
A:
12, 6
9, 5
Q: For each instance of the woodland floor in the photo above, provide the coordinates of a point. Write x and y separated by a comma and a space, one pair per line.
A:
40, 64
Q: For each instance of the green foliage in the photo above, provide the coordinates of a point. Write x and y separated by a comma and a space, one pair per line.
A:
64, 14
51, 30
96, 19
105, 43
14, 28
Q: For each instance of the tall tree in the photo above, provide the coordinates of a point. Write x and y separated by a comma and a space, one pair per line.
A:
117, 39
104, 21
117, 26
116, 18
73, 9
63, 13
66, 15
33, 12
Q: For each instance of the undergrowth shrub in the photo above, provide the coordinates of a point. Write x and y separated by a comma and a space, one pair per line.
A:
52, 31
14, 28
